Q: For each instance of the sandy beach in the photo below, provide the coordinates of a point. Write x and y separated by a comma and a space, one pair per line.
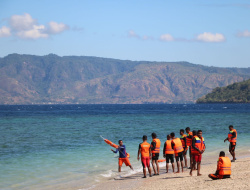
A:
239, 179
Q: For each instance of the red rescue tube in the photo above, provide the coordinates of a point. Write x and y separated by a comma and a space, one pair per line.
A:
162, 160
110, 143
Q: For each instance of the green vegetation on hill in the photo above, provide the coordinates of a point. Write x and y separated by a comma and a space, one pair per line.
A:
235, 93
30, 79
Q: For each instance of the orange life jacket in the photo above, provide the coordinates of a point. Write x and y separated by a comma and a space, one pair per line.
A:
224, 166
189, 139
182, 139
177, 145
169, 149
157, 146
230, 134
198, 144
145, 146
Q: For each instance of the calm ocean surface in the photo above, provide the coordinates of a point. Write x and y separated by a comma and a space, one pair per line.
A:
59, 146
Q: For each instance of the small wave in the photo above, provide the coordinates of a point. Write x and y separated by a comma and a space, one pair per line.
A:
108, 174
224, 107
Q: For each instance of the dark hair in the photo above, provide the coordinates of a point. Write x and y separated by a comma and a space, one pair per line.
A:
231, 126
119, 141
199, 131
144, 137
154, 135
182, 130
188, 128
222, 153
172, 134
194, 132
168, 136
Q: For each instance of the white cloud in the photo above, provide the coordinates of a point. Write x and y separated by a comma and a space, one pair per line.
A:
25, 27
4, 31
245, 33
34, 33
166, 37
55, 28
22, 22
209, 37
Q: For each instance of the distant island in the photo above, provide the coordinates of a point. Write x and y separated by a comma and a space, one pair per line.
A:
238, 92
52, 79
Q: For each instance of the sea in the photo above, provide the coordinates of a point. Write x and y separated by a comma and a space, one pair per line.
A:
60, 146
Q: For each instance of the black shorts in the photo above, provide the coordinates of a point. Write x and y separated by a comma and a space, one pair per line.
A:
179, 156
232, 146
169, 157
155, 156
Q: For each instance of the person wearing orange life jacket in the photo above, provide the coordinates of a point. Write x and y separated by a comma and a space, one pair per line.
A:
123, 158
202, 140
168, 153
178, 149
155, 148
189, 143
184, 145
223, 168
196, 151
232, 138
145, 152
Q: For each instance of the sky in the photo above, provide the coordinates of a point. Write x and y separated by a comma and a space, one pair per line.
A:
205, 32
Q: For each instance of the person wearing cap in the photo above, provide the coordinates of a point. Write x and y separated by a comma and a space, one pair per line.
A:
155, 149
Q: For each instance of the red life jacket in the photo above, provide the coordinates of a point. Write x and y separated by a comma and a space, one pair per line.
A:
198, 144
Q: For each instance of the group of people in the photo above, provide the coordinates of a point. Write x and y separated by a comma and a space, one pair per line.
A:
177, 148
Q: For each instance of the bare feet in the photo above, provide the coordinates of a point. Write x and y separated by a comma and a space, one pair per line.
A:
199, 174
177, 172
190, 173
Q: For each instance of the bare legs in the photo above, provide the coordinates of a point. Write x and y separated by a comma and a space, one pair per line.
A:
155, 162
167, 167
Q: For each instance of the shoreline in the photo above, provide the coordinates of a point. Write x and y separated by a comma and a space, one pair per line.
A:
240, 172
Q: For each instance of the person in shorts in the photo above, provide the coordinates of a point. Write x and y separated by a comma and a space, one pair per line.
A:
145, 152
196, 151
123, 158
232, 138
184, 145
168, 153
178, 149
155, 149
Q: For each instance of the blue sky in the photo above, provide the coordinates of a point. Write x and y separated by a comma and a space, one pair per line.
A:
206, 32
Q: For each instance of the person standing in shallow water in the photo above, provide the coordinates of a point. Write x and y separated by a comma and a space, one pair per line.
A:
123, 158
145, 152
155, 148
232, 138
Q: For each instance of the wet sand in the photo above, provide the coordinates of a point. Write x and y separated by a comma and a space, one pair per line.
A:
240, 179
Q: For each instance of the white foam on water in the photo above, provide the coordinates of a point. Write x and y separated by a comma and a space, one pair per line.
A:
108, 174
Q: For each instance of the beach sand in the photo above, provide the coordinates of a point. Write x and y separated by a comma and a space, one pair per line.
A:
240, 179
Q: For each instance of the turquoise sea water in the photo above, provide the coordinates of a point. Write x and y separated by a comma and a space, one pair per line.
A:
59, 146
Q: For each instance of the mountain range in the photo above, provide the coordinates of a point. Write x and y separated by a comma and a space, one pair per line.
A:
51, 79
